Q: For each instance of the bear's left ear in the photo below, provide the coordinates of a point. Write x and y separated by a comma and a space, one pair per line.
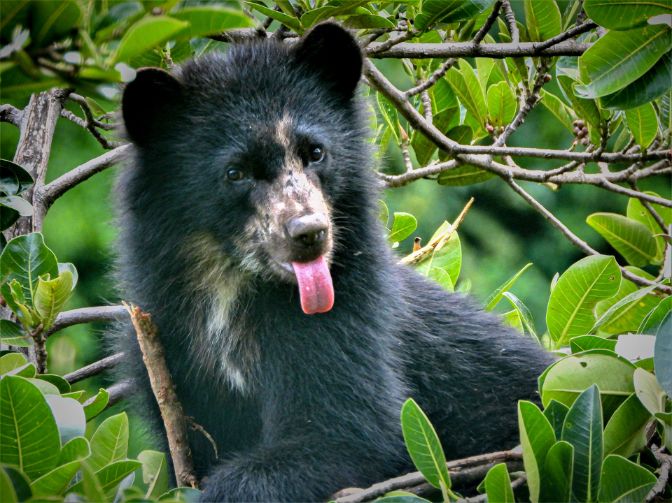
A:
334, 54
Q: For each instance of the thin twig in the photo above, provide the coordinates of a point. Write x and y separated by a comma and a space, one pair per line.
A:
574, 239
11, 114
483, 31
571, 33
379, 47
510, 18
433, 78
119, 391
52, 191
172, 413
94, 368
462, 471
87, 315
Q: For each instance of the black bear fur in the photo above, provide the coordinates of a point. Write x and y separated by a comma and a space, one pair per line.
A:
314, 403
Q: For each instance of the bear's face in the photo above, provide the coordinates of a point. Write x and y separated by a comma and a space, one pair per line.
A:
260, 143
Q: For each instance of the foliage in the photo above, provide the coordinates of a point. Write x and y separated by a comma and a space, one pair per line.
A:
605, 402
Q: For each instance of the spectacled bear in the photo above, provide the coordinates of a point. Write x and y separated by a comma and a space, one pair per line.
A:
249, 230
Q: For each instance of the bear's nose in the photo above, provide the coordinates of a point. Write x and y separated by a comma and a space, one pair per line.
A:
308, 230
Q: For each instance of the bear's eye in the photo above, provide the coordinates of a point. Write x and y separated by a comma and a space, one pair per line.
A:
315, 153
235, 174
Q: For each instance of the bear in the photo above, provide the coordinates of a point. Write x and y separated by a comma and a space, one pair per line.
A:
249, 229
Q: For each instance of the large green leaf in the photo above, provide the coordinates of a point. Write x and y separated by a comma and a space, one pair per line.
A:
403, 225
289, 21
637, 211
536, 437
110, 442
498, 485
447, 257
211, 20
26, 258
12, 334
52, 20
567, 378
366, 21
625, 433
619, 58
501, 104
558, 471
56, 481
643, 124
656, 316
630, 238
543, 19
464, 175
28, 436
624, 13
51, 296
624, 311
111, 475
147, 33
556, 412
646, 88
154, 473
570, 307
624, 481
468, 90
662, 355
583, 429
96, 404
560, 111
76, 449
448, 11
423, 445
14, 179
424, 148
6, 488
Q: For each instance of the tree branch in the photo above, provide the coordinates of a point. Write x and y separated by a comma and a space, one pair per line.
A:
462, 472
665, 461
417, 50
510, 18
94, 368
87, 315
52, 191
11, 114
571, 33
483, 31
119, 391
164, 390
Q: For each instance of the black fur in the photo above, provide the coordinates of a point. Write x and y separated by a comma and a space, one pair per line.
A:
322, 396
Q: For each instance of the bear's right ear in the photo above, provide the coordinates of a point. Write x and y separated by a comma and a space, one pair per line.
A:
147, 101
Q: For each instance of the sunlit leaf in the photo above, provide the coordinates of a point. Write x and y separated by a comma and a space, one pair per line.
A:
536, 437
624, 13
630, 238
543, 19
448, 11
147, 33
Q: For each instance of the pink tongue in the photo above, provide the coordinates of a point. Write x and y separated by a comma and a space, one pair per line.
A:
315, 286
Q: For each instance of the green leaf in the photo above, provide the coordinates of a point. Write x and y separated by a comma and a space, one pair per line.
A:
147, 33
11, 361
560, 111
62, 385
570, 307
630, 238
543, 19
110, 441
154, 473
586, 342
76, 449
29, 436
567, 378
583, 429
182, 494
424, 148
423, 445
403, 225
637, 211
26, 258
625, 433
662, 355
524, 314
69, 416
558, 473
619, 58
390, 116
624, 14
56, 481
13, 335
448, 11
108, 477
447, 256
18, 204
646, 88
96, 404
465, 174
51, 295
366, 21
442, 277
556, 412
468, 90
623, 306
498, 485
211, 20
497, 295
288, 21
6, 487
643, 124
314, 16
90, 486
586, 109
624, 481
501, 104
52, 20
649, 392
656, 316
536, 437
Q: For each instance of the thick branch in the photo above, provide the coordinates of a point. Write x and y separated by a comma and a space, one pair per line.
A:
52, 191
469, 49
164, 390
94, 368
483, 31
87, 315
